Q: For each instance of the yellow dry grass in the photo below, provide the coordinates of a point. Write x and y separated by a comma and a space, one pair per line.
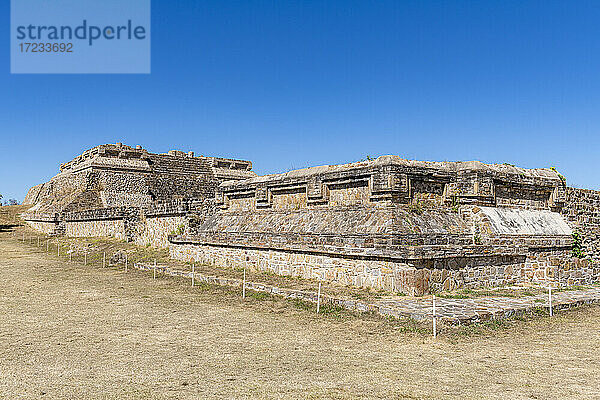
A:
69, 331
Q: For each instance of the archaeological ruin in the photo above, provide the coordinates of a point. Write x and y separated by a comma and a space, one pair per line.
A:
412, 227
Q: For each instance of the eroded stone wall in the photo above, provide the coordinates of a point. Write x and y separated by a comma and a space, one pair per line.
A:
47, 228
391, 224
582, 211
156, 230
98, 228
362, 273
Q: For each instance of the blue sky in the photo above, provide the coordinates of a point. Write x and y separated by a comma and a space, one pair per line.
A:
294, 84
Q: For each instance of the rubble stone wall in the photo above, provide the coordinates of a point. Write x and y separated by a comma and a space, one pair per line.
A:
156, 230
393, 224
47, 228
99, 228
582, 211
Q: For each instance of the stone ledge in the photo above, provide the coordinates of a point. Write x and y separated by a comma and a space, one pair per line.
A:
41, 217
100, 214
404, 254
454, 311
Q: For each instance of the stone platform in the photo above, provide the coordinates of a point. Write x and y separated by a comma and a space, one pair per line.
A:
485, 308
454, 311
401, 226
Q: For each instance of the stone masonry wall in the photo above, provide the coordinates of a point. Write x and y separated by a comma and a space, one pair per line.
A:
392, 224
116, 175
478, 272
119, 222
99, 228
582, 211
363, 273
395, 224
166, 218
391, 179
47, 228
47, 223
156, 230
148, 226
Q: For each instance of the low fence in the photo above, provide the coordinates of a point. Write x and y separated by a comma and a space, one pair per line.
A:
313, 297
448, 310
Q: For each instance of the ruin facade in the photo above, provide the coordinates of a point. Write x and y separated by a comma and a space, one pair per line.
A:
388, 223
118, 180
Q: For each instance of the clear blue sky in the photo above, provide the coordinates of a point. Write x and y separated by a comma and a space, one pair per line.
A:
294, 84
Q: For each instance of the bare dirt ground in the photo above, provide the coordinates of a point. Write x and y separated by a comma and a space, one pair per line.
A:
74, 331
69, 331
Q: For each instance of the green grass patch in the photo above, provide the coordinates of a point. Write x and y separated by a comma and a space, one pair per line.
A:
259, 295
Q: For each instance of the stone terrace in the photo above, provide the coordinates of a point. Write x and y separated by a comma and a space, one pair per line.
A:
454, 311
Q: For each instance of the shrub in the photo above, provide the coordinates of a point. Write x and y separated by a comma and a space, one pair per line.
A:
578, 245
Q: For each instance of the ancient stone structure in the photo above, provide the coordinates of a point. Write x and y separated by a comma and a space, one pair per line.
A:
112, 178
389, 223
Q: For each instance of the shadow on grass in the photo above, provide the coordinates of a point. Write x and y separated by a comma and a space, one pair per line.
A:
8, 228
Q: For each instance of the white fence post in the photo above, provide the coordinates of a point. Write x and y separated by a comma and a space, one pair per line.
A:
244, 284
193, 272
319, 298
434, 319
70, 253
104, 260
550, 299
154, 270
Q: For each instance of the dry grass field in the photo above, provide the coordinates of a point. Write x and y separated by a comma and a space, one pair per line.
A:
69, 331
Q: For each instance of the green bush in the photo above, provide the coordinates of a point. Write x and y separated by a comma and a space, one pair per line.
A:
578, 245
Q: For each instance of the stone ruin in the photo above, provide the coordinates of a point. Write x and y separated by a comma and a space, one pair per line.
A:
115, 175
118, 179
405, 226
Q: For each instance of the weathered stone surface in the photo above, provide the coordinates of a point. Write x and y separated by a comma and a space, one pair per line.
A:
515, 221
582, 211
115, 175
406, 226
449, 310
481, 225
